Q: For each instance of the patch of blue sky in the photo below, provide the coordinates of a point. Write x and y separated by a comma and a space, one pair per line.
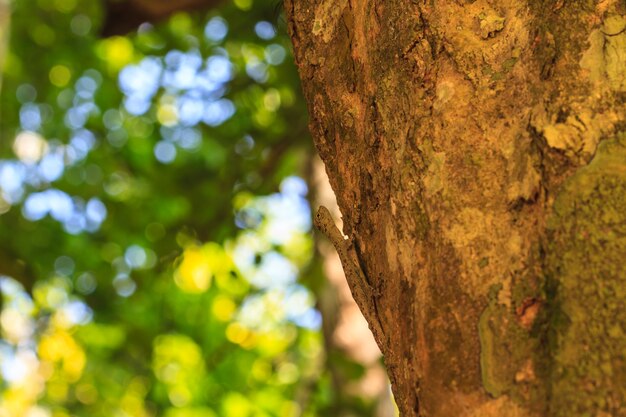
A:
81, 142
181, 78
189, 138
137, 105
274, 271
95, 211
271, 308
264, 30
18, 365
140, 83
86, 87
208, 87
51, 166
76, 223
289, 214
73, 213
76, 116
219, 69
15, 296
294, 186
35, 207
216, 29
12, 177
299, 306
60, 205
77, 312
165, 152
190, 110
30, 117
186, 137
217, 112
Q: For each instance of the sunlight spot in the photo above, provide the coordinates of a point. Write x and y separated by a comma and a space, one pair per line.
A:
37, 411
60, 75
271, 99
167, 114
179, 395
244, 5
237, 333
223, 308
116, 51
30, 147
194, 273
16, 327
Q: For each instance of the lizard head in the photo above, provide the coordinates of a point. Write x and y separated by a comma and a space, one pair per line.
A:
322, 217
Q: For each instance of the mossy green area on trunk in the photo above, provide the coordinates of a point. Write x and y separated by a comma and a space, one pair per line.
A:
586, 244
513, 357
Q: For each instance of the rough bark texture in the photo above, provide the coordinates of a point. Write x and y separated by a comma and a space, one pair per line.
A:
477, 153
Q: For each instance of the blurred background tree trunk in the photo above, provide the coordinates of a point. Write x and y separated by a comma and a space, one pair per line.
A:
5, 21
123, 16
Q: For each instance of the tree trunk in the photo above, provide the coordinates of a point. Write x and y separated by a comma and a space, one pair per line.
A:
478, 153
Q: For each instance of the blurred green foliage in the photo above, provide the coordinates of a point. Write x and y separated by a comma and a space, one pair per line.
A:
154, 228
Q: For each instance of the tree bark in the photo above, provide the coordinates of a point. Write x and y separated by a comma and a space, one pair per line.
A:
478, 153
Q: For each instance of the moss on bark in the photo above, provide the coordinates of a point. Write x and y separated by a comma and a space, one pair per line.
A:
586, 262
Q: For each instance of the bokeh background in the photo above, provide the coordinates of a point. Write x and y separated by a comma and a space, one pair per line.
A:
156, 251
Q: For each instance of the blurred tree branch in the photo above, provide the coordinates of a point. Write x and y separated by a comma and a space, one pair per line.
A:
5, 20
123, 16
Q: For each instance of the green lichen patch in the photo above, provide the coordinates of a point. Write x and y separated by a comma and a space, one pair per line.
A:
586, 262
511, 354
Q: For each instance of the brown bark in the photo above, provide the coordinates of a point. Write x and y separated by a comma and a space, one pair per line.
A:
461, 139
344, 327
123, 16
